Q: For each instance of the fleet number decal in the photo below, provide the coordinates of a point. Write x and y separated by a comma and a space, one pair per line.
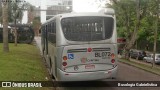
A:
104, 55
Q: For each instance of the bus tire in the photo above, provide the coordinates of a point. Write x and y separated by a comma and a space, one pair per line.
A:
113, 78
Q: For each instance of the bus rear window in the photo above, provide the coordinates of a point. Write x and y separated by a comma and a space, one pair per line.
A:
87, 28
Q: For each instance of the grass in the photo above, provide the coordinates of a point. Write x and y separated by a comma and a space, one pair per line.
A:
155, 70
22, 63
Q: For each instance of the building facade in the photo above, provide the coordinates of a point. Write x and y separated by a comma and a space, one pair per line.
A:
49, 8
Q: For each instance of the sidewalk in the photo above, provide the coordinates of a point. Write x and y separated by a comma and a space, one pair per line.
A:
140, 62
145, 63
38, 42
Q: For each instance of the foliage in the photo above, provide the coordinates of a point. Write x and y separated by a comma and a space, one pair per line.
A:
17, 15
36, 25
30, 13
36, 22
126, 19
15, 10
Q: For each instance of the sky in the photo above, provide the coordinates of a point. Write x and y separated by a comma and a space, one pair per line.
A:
87, 5
84, 6
34, 2
78, 5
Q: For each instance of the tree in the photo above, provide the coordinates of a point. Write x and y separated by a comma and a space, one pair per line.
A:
10, 18
1, 19
36, 25
5, 26
128, 19
30, 13
142, 28
134, 21
17, 14
136, 28
154, 12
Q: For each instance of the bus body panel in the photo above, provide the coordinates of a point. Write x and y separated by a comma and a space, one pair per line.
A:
52, 59
82, 64
79, 57
85, 76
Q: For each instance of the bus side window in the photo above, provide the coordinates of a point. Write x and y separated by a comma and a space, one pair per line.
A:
50, 28
54, 31
51, 32
46, 38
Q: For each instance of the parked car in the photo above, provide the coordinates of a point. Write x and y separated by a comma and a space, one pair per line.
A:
149, 58
137, 54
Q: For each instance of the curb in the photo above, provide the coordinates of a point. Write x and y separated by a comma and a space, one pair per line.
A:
139, 68
35, 42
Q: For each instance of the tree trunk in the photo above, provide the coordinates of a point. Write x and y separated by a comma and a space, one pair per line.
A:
155, 43
5, 27
15, 33
155, 34
134, 35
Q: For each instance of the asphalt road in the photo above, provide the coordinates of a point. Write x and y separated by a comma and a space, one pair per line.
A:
125, 73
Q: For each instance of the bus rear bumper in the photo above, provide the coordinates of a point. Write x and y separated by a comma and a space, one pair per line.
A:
85, 76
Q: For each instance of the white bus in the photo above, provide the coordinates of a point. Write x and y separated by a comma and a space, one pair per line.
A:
81, 46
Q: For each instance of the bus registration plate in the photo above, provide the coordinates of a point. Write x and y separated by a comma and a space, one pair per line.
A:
89, 66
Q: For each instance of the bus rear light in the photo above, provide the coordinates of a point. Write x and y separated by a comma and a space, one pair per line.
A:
109, 71
64, 63
112, 55
64, 57
113, 61
89, 49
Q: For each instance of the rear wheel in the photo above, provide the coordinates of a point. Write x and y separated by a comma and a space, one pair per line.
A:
114, 78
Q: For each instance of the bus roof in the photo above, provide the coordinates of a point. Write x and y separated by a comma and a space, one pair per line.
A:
102, 12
